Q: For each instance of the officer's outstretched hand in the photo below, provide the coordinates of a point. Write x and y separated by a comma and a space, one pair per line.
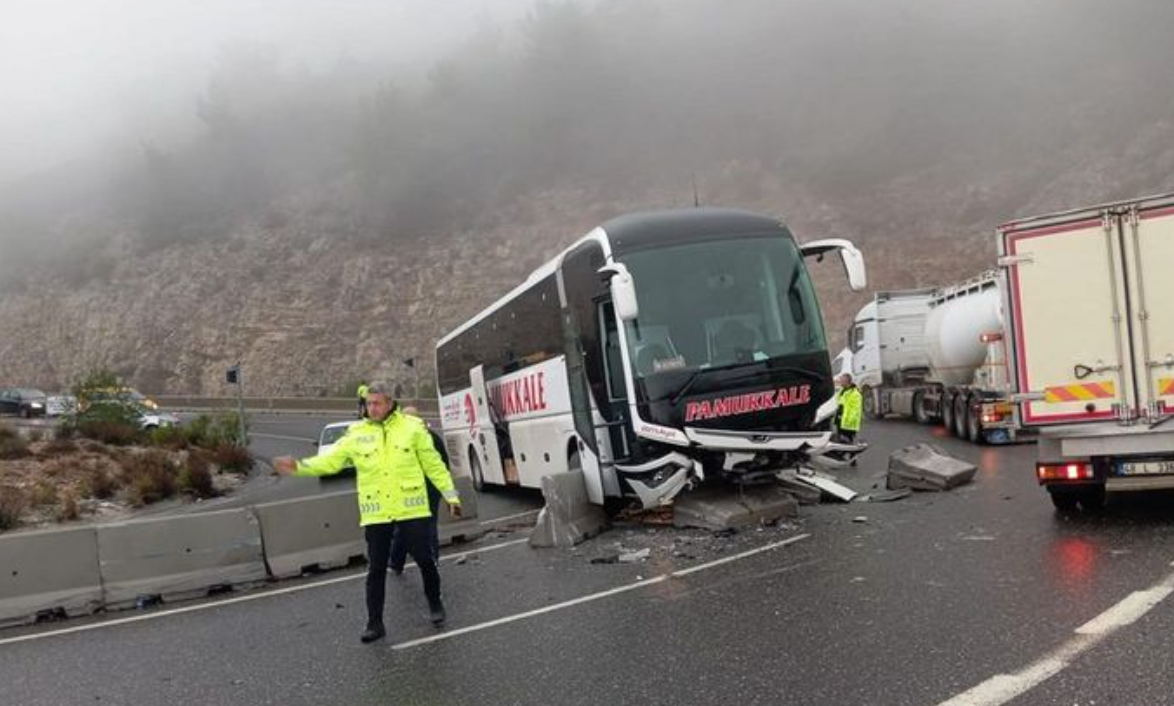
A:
285, 465
455, 510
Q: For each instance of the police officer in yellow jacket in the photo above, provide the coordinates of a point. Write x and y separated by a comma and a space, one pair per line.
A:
851, 408
392, 454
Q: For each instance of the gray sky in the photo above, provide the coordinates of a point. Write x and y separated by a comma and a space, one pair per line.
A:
77, 75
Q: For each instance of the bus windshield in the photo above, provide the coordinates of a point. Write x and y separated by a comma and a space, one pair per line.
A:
721, 303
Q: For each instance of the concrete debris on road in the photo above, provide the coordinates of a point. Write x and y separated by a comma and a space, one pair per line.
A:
885, 496
927, 467
634, 557
725, 508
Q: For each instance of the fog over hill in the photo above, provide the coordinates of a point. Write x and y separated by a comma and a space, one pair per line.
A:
321, 193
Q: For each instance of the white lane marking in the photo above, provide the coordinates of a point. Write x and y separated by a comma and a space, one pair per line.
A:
449, 634
283, 437
1126, 612
238, 599
507, 518
1002, 688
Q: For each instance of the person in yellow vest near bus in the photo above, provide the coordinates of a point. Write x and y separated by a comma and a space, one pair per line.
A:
850, 409
364, 389
392, 454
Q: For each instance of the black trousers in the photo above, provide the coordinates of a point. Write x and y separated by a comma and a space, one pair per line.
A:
414, 535
399, 550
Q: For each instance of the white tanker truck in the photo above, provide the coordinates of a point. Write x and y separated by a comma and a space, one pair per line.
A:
1071, 339
938, 355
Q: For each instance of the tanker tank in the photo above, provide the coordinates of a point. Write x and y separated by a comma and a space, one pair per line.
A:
954, 328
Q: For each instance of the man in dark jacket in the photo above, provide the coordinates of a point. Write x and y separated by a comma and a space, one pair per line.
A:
399, 550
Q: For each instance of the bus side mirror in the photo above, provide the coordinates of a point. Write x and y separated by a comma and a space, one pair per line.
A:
849, 255
623, 290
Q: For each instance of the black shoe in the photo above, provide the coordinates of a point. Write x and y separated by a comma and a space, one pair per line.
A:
372, 633
437, 612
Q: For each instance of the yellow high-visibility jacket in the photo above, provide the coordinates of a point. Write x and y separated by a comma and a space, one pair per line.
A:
851, 408
363, 391
390, 460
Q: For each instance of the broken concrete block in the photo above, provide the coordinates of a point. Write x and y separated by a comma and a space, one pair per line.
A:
568, 517
926, 467
726, 508
634, 557
805, 493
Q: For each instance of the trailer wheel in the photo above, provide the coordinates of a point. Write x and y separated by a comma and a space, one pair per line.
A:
920, 413
961, 416
948, 412
1093, 499
1064, 500
974, 423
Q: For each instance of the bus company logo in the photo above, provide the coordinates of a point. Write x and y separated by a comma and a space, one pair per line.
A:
746, 404
521, 395
470, 412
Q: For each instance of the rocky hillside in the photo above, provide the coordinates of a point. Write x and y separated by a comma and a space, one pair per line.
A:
306, 312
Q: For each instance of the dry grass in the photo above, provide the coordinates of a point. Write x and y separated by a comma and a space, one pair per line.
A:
12, 506
44, 493
12, 444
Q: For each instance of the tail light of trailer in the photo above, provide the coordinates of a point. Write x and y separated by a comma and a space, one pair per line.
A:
1060, 472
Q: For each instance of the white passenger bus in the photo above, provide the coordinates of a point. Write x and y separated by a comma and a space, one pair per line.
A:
659, 350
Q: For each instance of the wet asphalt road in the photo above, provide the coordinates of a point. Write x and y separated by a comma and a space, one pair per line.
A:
924, 599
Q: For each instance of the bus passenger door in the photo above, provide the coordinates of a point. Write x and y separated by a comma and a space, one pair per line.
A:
486, 460
615, 412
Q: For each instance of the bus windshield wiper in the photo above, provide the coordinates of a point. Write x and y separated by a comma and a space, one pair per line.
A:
802, 372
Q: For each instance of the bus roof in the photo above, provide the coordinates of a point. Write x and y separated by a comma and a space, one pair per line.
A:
642, 230
638, 231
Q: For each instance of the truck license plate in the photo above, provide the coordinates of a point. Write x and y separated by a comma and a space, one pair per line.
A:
1145, 468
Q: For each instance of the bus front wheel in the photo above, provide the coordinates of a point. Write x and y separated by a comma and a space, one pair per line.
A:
475, 471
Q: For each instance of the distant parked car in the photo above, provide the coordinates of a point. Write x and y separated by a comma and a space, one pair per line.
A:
23, 401
119, 395
330, 435
58, 405
153, 419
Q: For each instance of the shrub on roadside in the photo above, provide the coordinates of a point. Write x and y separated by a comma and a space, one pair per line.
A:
195, 478
67, 506
174, 438
232, 458
58, 446
210, 431
150, 476
110, 424
44, 493
12, 444
101, 484
36, 435
12, 506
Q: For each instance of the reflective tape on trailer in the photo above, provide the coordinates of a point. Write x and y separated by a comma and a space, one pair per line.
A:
1080, 392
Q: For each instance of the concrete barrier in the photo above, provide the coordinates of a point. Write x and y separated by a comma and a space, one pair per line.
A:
468, 527
48, 572
926, 467
315, 533
569, 517
176, 558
